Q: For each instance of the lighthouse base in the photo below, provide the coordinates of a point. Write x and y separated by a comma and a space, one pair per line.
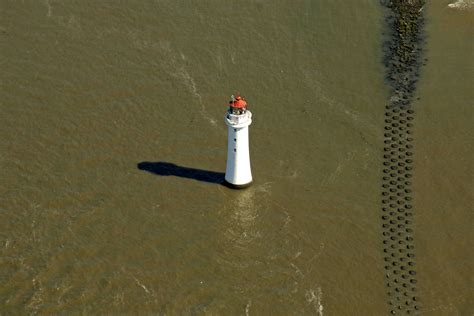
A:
237, 186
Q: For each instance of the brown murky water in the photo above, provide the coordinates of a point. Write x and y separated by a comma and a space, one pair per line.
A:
92, 89
443, 170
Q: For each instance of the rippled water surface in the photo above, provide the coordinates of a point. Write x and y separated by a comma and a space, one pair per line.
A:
91, 89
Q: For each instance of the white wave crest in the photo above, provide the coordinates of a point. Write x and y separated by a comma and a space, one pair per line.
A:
462, 5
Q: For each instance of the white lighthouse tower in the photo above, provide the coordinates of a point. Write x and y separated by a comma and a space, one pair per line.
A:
238, 173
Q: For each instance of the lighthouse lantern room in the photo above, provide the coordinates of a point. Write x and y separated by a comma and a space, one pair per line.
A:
238, 173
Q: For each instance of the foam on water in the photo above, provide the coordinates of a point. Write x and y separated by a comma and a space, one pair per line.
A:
462, 5
314, 296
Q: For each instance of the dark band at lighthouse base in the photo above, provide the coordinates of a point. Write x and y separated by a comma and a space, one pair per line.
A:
237, 186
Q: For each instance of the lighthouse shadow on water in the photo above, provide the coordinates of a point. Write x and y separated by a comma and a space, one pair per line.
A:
170, 169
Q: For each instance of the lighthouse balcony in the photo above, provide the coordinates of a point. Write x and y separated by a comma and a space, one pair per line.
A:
236, 120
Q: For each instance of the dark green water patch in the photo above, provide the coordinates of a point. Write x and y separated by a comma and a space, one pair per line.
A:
402, 58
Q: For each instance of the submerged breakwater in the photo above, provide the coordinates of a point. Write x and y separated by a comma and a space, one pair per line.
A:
403, 59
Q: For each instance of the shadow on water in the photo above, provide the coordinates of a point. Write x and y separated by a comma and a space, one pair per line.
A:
170, 169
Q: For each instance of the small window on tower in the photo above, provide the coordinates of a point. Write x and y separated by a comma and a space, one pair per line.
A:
235, 150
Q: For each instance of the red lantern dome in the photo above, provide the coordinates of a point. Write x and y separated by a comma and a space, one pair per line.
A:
238, 103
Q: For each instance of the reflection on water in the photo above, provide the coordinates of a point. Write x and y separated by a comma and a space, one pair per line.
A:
243, 220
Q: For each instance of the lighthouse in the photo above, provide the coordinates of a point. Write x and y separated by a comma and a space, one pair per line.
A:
238, 173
